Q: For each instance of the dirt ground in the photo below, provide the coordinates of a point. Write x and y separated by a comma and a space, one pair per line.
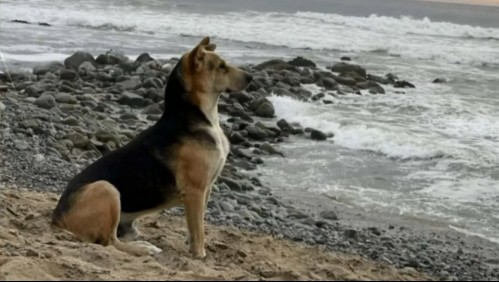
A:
31, 250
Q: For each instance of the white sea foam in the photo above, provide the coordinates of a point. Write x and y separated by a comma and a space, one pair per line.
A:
406, 37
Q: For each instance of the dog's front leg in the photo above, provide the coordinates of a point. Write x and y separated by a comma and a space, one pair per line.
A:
194, 202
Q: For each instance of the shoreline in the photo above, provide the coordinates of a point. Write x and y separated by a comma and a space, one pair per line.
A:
60, 118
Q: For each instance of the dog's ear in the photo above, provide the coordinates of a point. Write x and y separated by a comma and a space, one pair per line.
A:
210, 47
198, 53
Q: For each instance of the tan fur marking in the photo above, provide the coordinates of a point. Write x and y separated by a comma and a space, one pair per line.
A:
95, 213
95, 216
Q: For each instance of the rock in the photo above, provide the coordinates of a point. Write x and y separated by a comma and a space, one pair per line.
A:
345, 80
440, 80
236, 138
318, 135
392, 77
256, 132
152, 109
351, 234
129, 67
127, 116
232, 184
375, 88
46, 101
78, 140
378, 79
65, 98
21, 145
52, 67
265, 109
266, 147
66, 74
284, 125
277, 64
144, 58
112, 57
318, 96
86, 68
75, 60
403, 84
153, 82
331, 215
132, 100
375, 231
346, 68
66, 88
241, 97
302, 62
70, 121
329, 83
2, 108
226, 207
130, 84
345, 58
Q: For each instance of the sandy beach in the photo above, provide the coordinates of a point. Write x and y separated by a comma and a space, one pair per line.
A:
32, 251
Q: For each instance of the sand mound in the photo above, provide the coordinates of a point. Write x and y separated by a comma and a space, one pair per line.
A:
31, 250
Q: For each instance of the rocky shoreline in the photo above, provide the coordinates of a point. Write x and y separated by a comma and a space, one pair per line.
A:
64, 115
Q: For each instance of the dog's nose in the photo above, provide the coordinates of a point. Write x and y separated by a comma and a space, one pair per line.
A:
249, 77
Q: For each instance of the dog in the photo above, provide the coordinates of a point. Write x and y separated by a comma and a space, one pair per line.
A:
174, 162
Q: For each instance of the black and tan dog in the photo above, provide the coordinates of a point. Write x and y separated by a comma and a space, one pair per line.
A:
174, 162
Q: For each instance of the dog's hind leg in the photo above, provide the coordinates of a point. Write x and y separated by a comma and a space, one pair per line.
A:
94, 217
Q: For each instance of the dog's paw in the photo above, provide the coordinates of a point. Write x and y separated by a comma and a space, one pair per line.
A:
199, 254
149, 249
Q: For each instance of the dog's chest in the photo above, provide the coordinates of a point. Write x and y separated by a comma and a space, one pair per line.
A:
221, 150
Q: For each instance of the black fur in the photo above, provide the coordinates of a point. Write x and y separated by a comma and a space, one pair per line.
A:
140, 170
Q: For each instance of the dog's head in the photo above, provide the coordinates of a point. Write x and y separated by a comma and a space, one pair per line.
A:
206, 75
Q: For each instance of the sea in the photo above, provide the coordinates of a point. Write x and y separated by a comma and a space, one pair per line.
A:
431, 153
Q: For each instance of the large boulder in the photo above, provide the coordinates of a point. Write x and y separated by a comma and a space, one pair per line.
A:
346, 68
302, 62
276, 64
74, 61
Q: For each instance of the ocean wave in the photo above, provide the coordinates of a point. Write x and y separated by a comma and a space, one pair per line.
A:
436, 135
402, 37
107, 26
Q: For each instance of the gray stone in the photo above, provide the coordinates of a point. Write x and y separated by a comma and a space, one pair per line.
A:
21, 145
143, 58
256, 132
78, 140
403, 84
46, 101
129, 116
277, 64
302, 62
152, 109
70, 121
131, 99
318, 135
331, 215
86, 67
226, 207
265, 109
266, 147
52, 67
65, 98
153, 82
75, 60
67, 74
133, 83
346, 68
